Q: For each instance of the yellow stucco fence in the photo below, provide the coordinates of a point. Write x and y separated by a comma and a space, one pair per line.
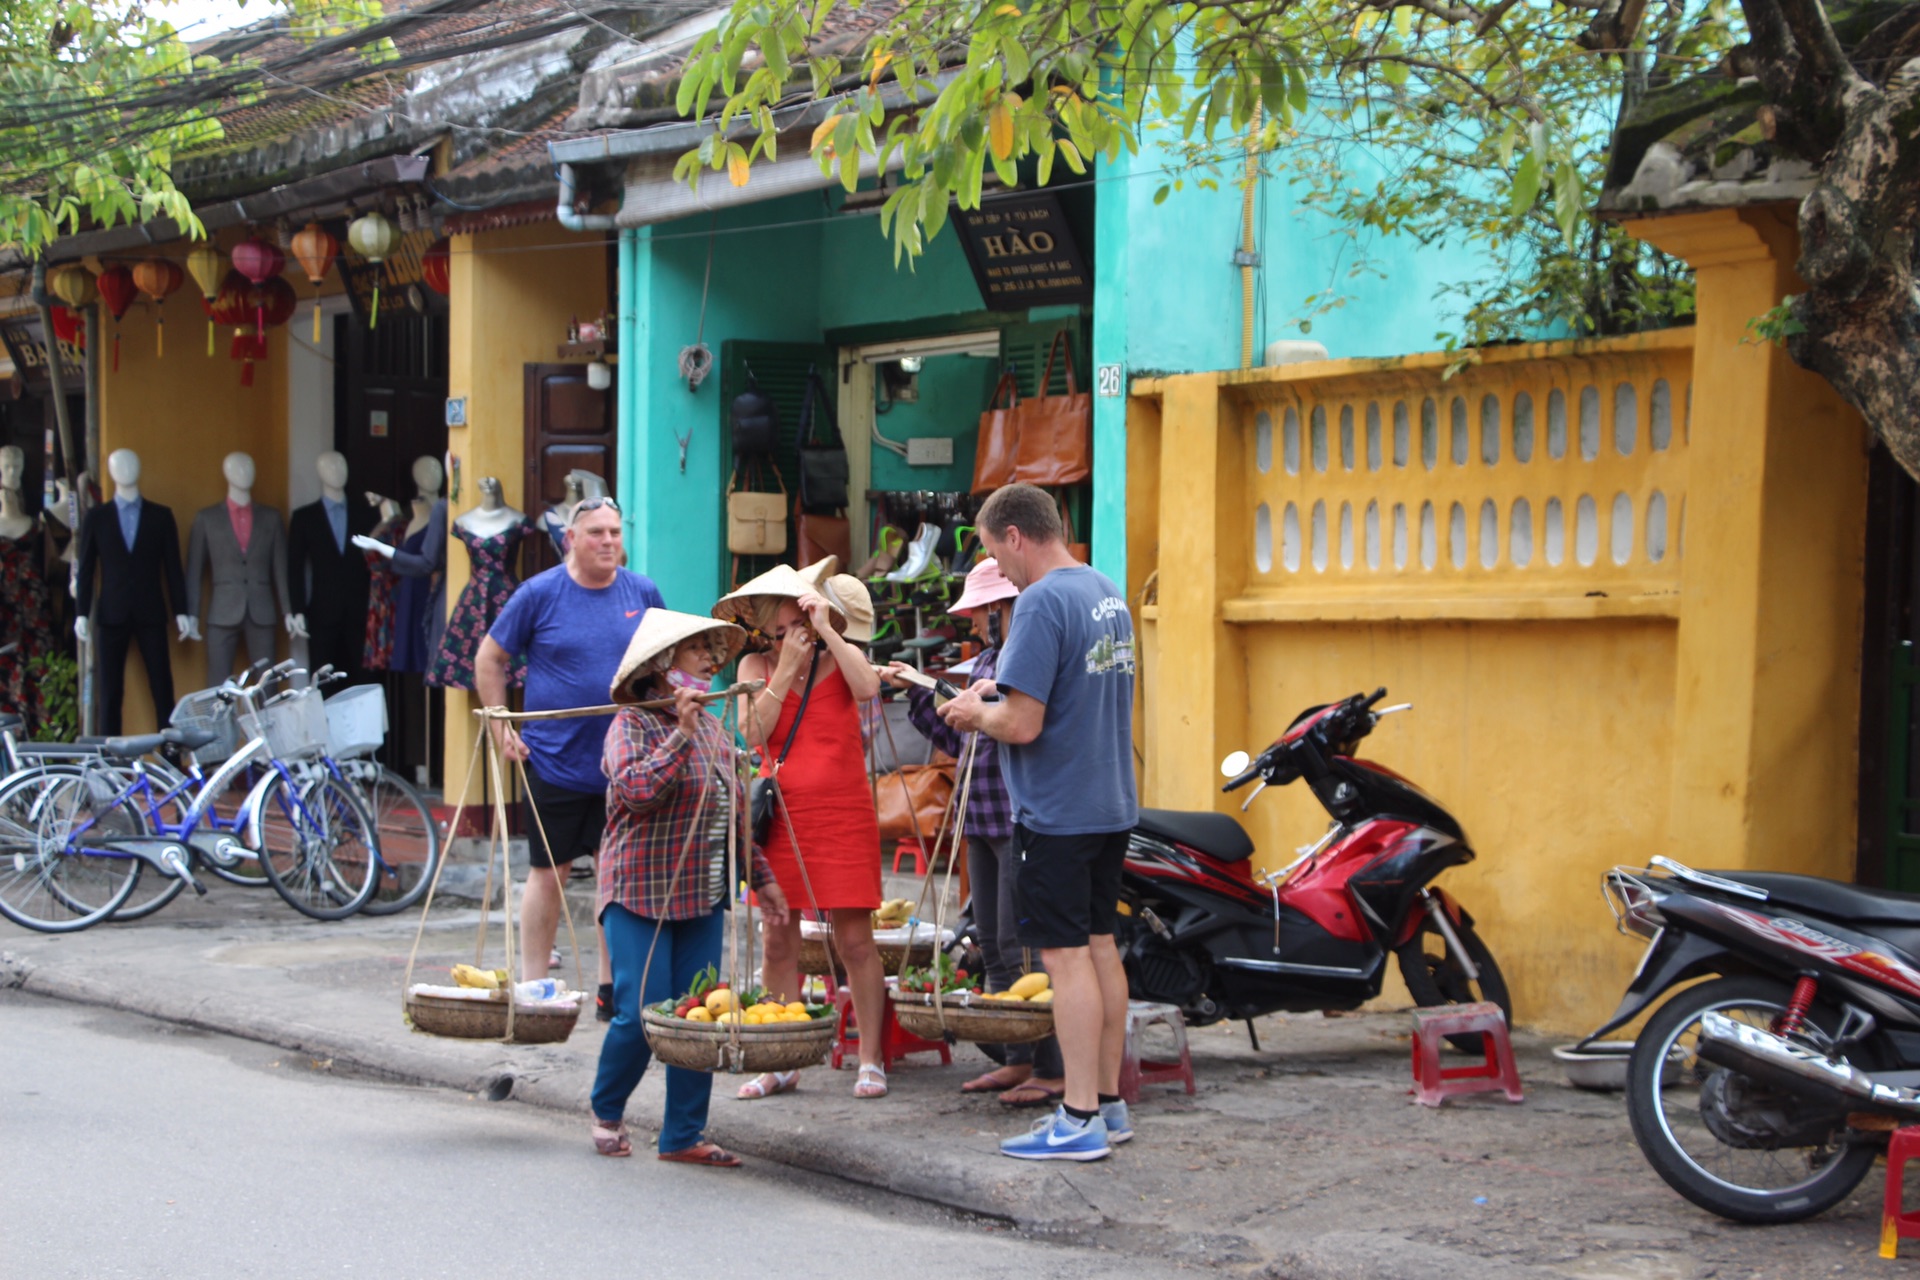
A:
1619, 581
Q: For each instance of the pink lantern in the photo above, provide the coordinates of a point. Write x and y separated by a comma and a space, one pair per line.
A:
259, 262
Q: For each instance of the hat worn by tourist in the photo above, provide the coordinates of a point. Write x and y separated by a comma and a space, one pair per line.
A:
747, 606
661, 632
985, 584
851, 598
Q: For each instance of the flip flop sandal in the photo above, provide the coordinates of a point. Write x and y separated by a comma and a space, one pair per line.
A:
1031, 1095
611, 1139
872, 1083
990, 1083
711, 1154
768, 1084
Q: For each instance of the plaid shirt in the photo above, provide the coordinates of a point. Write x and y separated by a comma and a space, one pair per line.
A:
657, 807
989, 807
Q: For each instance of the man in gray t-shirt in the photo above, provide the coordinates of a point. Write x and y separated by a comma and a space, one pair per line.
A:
1064, 715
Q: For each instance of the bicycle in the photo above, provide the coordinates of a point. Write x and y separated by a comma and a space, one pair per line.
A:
73, 842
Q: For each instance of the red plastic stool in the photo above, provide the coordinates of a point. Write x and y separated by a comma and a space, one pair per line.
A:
1896, 1225
1135, 1070
895, 1041
904, 847
1432, 1083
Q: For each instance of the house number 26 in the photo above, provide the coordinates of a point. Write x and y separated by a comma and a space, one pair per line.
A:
1109, 381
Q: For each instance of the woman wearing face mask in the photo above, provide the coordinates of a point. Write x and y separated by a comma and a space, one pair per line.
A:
1032, 1075
806, 725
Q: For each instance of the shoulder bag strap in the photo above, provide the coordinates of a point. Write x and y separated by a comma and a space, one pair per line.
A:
1061, 344
806, 695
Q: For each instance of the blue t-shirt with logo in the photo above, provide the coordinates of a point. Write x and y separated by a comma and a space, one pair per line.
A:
574, 638
1071, 647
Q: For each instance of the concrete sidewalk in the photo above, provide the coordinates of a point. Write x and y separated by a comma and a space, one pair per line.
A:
1301, 1161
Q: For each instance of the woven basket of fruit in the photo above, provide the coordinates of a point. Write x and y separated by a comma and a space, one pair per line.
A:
475, 1008
1022, 1013
712, 1028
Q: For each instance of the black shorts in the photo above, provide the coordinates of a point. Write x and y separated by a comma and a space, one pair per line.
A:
573, 821
1066, 889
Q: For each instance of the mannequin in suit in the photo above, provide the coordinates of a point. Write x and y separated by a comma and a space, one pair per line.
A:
133, 572
246, 545
327, 574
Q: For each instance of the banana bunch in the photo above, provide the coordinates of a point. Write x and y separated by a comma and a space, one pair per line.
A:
466, 975
1032, 988
893, 913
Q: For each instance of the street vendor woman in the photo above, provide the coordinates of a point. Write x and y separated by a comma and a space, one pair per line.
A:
674, 786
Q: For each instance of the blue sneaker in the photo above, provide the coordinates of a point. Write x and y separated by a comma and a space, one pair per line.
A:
1119, 1124
1060, 1137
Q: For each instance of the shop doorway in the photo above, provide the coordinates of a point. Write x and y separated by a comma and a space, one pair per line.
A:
390, 395
568, 427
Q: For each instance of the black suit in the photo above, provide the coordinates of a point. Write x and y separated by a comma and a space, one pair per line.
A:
335, 601
132, 606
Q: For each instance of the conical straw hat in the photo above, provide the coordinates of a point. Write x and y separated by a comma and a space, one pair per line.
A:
782, 582
661, 631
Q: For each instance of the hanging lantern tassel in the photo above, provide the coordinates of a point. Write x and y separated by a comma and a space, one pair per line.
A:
373, 319
316, 322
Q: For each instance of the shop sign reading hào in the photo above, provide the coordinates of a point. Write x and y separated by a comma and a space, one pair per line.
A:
1023, 253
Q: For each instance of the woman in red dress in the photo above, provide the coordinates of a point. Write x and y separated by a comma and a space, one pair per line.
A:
823, 782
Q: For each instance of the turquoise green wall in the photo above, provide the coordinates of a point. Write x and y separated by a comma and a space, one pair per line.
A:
953, 391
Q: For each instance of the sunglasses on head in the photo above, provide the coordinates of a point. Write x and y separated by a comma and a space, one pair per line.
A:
591, 504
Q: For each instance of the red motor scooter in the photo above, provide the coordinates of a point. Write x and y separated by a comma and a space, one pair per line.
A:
1200, 931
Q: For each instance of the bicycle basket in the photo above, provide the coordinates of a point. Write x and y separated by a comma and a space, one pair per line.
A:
357, 721
294, 725
206, 712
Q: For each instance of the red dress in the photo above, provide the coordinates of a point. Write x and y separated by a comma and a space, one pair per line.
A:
824, 783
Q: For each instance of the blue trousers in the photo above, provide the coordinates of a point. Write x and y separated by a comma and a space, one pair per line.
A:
686, 947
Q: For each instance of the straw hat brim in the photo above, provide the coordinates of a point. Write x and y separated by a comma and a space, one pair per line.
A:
662, 631
782, 582
850, 597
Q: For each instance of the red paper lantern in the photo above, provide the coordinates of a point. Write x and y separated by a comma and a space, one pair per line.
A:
117, 291
68, 327
436, 267
230, 304
272, 301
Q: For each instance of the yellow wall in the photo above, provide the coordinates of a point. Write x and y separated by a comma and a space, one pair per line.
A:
1691, 689
183, 413
514, 293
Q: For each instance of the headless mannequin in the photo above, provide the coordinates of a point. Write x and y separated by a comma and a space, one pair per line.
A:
241, 575
581, 485
493, 515
14, 520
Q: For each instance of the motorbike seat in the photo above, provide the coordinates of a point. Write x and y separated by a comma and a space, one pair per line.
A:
1841, 902
1218, 835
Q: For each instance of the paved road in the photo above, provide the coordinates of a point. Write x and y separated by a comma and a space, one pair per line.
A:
135, 1148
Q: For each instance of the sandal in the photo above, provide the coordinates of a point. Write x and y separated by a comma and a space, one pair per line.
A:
993, 1082
768, 1084
1032, 1094
611, 1139
711, 1154
872, 1083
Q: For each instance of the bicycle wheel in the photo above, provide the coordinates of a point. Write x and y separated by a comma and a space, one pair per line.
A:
54, 875
408, 839
223, 849
316, 842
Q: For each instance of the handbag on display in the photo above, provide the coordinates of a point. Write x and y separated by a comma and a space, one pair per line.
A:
999, 438
755, 421
763, 796
823, 465
1054, 434
913, 794
816, 537
756, 522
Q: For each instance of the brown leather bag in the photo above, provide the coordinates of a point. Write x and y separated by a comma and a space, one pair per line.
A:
817, 537
1054, 433
929, 787
999, 440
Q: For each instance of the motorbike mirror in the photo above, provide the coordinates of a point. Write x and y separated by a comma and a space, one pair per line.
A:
1235, 765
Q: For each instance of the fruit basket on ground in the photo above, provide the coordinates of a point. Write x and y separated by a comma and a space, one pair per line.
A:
475, 1008
1022, 1013
900, 939
714, 1028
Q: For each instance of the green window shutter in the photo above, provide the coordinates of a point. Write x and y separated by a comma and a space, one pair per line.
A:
1025, 347
780, 370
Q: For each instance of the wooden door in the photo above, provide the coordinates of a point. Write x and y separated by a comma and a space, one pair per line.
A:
568, 427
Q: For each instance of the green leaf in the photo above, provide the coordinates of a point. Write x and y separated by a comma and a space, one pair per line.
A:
1161, 193
1526, 184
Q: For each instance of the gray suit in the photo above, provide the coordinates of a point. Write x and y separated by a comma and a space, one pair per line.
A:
246, 585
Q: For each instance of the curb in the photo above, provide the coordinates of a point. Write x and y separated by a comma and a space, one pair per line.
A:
968, 1181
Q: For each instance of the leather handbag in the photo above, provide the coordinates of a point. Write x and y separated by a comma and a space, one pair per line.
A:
823, 463
1054, 434
763, 797
756, 522
913, 793
816, 537
999, 439
755, 422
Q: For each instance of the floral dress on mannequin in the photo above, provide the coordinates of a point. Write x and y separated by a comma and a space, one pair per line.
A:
492, 581
26, 622
381, 580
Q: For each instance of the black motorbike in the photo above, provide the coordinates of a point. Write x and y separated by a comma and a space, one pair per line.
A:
1764, 1094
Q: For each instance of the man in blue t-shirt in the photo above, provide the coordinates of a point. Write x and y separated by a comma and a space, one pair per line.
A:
1064, 715
572, 624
